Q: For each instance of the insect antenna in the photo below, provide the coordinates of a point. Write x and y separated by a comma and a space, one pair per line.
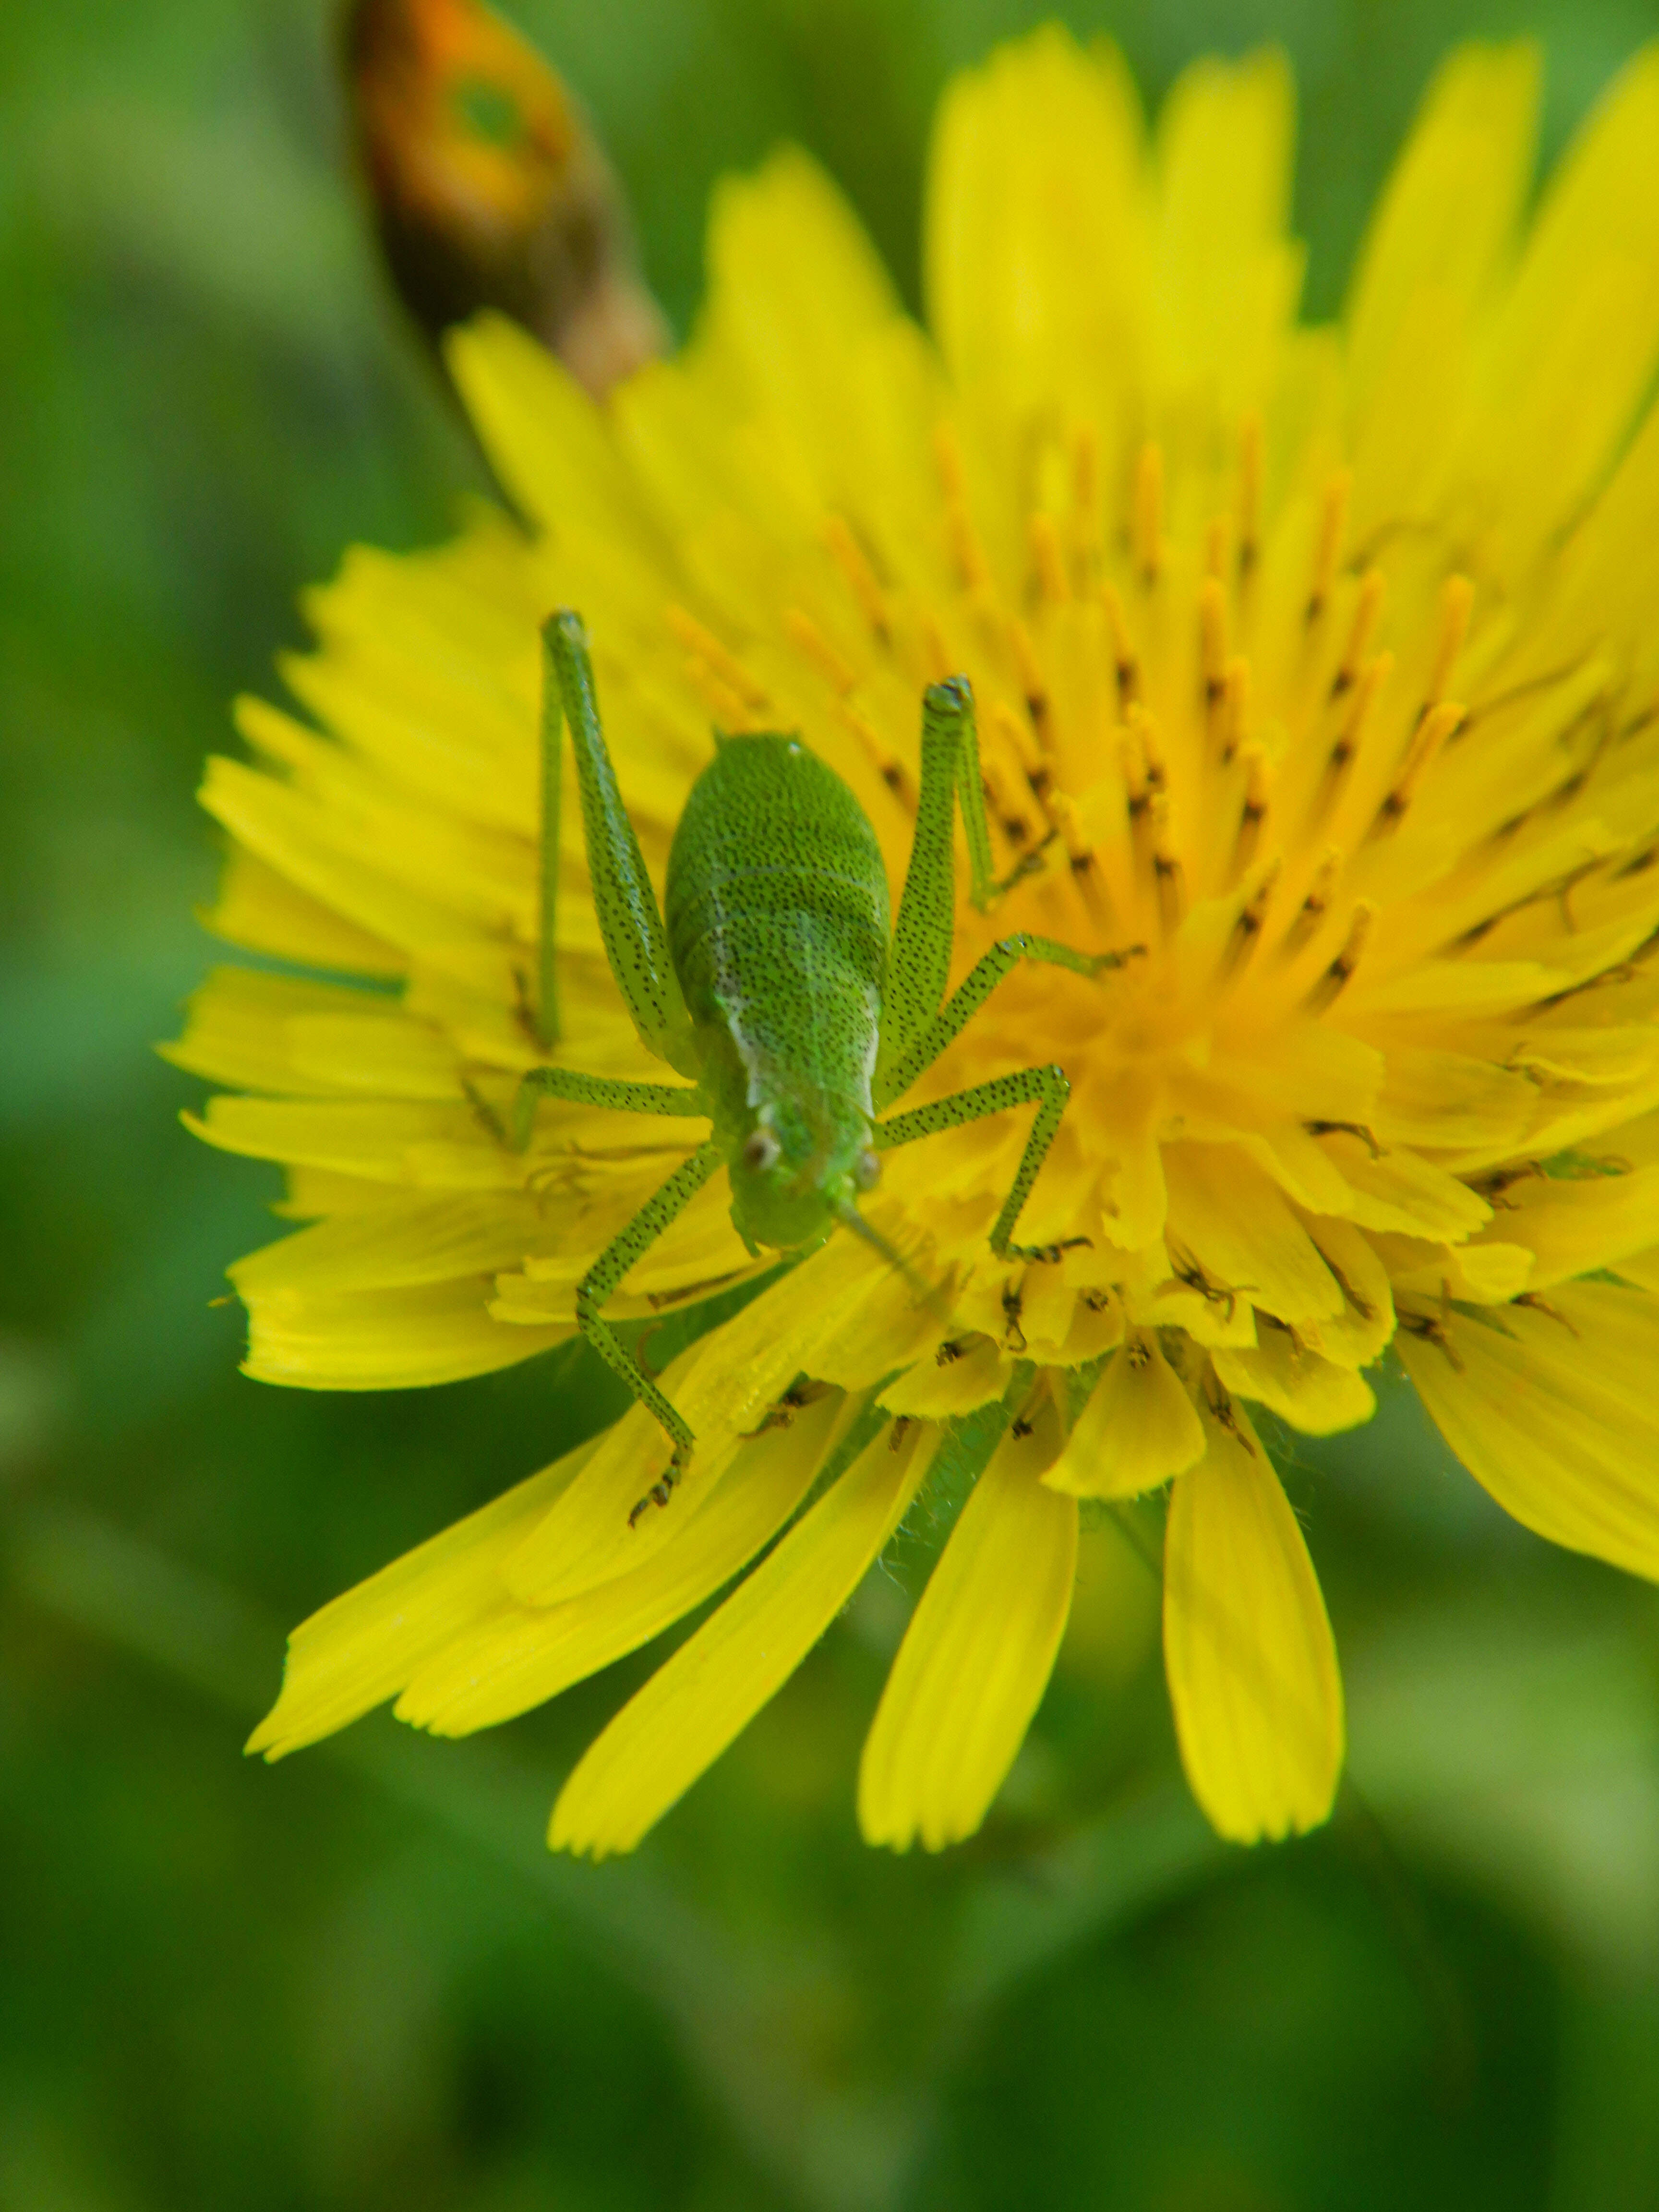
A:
930, 1294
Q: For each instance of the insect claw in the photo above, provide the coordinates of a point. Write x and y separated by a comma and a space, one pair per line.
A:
661, 1490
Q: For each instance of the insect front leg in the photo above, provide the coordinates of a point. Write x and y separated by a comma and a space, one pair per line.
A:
580, 1090
630, 922
622, 1252
915, 1029
1048, 1089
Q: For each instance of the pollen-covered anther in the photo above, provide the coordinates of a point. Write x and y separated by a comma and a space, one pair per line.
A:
1034, 688
1146, 516
1315, 906
1080, 855
937, 659
1126, 665
1085, 504
1216, 536
1249, 497
891, 770
1327, 546
1336, 977
850, 557
703, 645
1048, 561
1169, 881
1258, 788
1367, 613
968, 554
1235, 706
1017, 737
805, 633
1004, 795
1436, 729
729, 711
1246, 932
1456, 604
1352, 735
1213, 656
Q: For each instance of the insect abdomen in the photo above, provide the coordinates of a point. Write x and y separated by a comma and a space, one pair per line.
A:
777, 915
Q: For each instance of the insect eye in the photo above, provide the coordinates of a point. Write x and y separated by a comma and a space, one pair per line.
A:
866, 1171
762, 1150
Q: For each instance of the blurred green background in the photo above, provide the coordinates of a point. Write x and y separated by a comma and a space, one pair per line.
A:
358, 1981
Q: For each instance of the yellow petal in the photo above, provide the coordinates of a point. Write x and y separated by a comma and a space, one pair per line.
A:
393, 1243
957, 1379
517, 1656
402, 1339
690, 1710
263, 912
1036, 221
1138, 1428
1552, 1408
1228, 277
1243, 1233
1423, 283
363, 1647
977, 1654
1248, 1647
1354, 1337
1313, 1394
1573, 352
723, 1388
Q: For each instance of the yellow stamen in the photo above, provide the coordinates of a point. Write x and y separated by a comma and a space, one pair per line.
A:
1215, 547
1126, 667
892, 771
805, 633
1046, 559
1085, 872
1016, 736
972, 569
1456, 602
1257, 786
1085, 501
1168, 883
729, 712
1237, 706
1335, 977
936, 654
1252, 918
1033, 689
1250, 495
1212, 652
1315, 906
1432, 733
1146, 515
1328, 546
727, 666
1368, 610
851, 559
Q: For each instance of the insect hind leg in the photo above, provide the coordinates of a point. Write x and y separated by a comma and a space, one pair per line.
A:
622, 1252
1046, 1088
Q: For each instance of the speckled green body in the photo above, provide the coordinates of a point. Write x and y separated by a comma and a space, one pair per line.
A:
778, 925
776, 986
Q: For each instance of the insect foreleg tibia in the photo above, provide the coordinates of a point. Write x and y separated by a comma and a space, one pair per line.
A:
547, 999
895, 1079
918, 963
631, 921
624, 1252
596, 1090
1046, 1088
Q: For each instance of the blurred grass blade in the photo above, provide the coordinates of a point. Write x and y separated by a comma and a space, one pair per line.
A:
489, 189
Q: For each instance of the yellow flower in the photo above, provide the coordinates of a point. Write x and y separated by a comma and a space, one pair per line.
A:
1322, 662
